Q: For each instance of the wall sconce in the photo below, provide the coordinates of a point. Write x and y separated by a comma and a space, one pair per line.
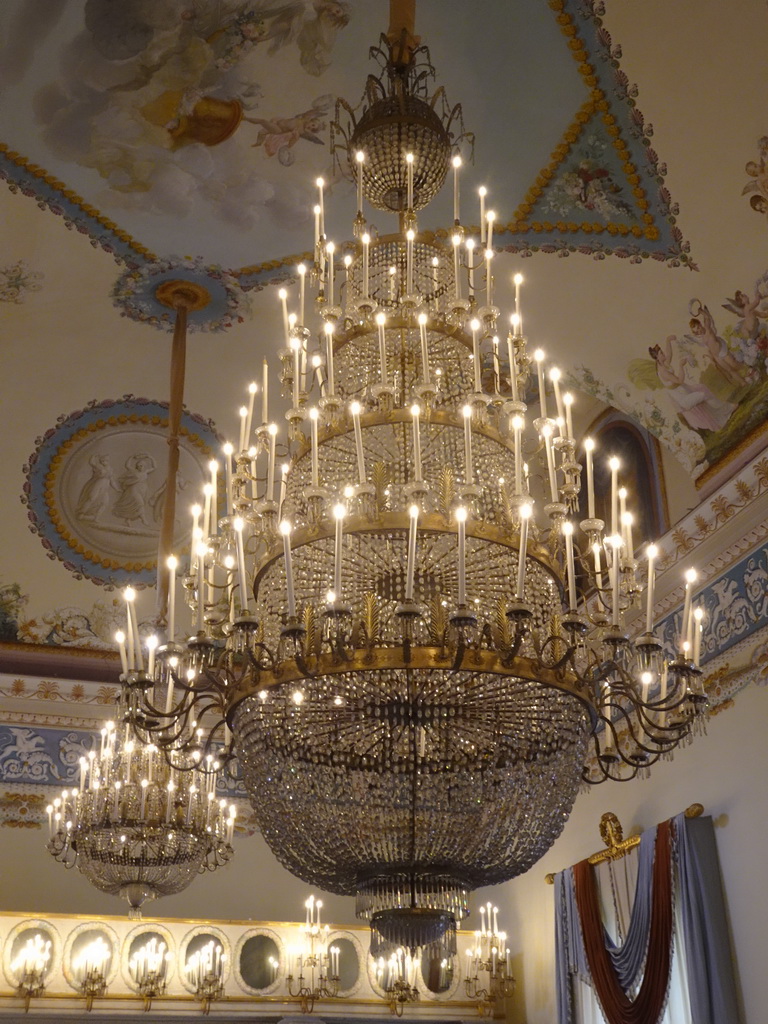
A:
490, 956
397, 977
30, 966
205, 971
149, 969
315, 956
90, 969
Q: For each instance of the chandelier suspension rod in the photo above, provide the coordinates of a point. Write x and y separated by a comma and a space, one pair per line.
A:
402, 21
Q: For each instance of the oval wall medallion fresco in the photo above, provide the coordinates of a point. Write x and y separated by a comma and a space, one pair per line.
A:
95, 487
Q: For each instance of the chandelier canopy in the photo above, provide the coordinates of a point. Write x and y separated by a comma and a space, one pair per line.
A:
418, 663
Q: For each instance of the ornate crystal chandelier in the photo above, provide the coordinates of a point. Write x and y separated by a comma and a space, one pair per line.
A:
418, 662
137, 826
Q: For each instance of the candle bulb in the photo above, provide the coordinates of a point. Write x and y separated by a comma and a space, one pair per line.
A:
525, 515
698, 615
243, 413
415, 411
409, 182
627, 519
381, 319
313, 416
152, 643
252, 389
120, 641
339, 511
651, 551
570, 567
360, 160
546, 433
474, 326
461, 520
283, 296
690, 579
467, 414
613, 465
554, 376
456, 162
482, 192
413, 512
538, 356
424, 349
355, 408
285, 530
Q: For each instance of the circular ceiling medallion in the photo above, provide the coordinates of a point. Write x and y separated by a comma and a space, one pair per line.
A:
95, 487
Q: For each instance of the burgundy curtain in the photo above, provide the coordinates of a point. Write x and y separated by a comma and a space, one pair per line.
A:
648, 1005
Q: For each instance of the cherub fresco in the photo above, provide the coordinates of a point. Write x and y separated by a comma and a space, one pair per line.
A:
278, 135
96, 492
133, 503
757, 189
588, 184
147, 93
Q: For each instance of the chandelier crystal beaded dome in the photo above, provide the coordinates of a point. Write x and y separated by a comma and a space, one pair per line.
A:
418, 663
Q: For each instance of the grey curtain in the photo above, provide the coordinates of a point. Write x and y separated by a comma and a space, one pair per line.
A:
706, 938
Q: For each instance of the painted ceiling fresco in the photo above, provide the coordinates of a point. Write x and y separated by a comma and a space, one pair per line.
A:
196, 128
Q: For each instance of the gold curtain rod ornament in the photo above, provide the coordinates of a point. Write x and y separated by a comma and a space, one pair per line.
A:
617, 846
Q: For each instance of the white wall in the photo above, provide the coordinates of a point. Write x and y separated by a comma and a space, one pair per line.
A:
726, 772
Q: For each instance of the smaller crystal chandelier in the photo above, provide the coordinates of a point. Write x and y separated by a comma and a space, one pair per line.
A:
149, 969
205, 970
315, 956
397, 978
489, 957
136, 826
90, 969
30, 967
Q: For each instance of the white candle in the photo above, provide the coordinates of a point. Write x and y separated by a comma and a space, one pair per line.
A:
201, 553
360, 160
316, 211
525, 515
616, 543
409, 182
295, 347
120, 641
329, 356
470, 246
413, 512
264, 393
213, 466
461, 520
228, 450
456, 162
698, 615
517, 428
302, 271
546, 433
415, 411
272, 431
568, 403
496, 367
554, 376
171, 563
627, 520
285, 530
130, 596
651, 551
456, 242
518, 280
613, 465
467, 414
283, 296
474, 326
482, 192
355, 408
490, 217
152, 643
249, 414
589, 447
690, 579
623, 511
243, 413
488, 275
339, 511
283, 485
380, 321
424, 349
320, 185
538, 356
366, 240
410, 235
570, 567
330, 249
313, 415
